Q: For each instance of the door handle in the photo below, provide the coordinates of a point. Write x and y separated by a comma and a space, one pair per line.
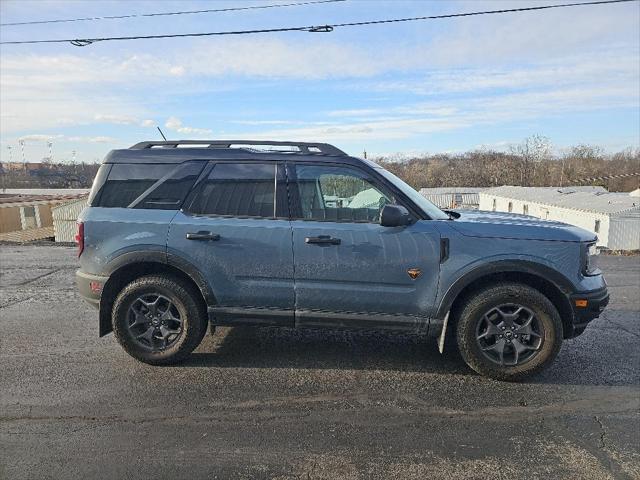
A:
323, 240
202, 235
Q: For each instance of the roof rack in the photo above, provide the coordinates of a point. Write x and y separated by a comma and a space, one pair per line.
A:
303, 147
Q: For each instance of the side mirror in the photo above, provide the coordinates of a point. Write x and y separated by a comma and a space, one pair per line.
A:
394, 216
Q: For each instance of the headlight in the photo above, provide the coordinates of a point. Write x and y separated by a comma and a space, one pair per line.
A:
591, 259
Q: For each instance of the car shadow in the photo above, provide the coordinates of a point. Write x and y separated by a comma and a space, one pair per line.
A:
264, 347
579, 363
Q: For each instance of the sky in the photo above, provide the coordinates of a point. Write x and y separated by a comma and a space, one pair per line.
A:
572, 75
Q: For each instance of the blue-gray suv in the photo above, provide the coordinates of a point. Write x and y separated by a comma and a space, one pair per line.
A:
180, 235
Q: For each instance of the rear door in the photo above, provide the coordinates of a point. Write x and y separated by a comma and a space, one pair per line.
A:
349, 270
234, 228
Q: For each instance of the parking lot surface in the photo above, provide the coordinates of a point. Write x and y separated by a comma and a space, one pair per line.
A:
283, 403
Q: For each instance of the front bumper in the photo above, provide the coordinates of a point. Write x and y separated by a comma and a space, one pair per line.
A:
586, 307
90, 286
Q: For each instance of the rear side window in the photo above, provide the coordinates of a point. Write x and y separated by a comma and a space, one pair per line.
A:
169, 192
238, 190
156, 186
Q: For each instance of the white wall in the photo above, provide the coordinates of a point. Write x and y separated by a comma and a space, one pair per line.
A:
586, 220
65, 217
624, 231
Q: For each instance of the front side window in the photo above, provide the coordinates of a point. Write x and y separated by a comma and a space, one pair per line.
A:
238, 190
337, 194
425, 205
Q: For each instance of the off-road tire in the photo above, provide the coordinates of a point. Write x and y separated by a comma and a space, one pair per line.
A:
185, 299
482, 301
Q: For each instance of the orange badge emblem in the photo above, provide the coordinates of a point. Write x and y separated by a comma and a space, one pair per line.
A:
414, 273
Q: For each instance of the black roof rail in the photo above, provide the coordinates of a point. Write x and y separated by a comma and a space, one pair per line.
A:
303, 147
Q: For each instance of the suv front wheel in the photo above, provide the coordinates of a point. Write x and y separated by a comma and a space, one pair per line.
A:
158, 319
509, 331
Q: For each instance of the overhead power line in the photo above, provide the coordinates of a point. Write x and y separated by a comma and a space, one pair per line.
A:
606, 177
164, 14
82, 42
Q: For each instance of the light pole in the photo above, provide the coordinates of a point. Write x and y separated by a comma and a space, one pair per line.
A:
24, 160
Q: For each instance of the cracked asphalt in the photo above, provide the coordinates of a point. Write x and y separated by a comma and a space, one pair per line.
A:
285, 404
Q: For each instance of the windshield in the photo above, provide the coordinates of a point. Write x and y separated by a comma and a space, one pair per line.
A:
429, 208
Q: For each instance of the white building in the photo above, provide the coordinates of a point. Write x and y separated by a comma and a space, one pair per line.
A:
613, 216
65, 217
453, 197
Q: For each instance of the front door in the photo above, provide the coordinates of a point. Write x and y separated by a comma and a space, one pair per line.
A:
349, 270
234, 229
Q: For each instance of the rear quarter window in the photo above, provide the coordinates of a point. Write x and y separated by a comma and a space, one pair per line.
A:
98, 184
155, 186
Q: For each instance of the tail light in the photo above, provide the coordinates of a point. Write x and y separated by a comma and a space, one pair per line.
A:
80, 238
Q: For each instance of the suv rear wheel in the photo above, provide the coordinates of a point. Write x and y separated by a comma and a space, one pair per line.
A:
158, 319
509, 331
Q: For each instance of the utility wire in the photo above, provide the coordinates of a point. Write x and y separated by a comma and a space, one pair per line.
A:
82, 42
606, 177
162, 14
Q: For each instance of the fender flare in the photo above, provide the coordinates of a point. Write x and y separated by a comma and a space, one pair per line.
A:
132, 258
164, 258
546, 273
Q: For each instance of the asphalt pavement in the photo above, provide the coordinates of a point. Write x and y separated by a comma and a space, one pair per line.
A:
302, 404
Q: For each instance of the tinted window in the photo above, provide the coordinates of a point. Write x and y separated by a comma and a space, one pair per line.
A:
329, 193
127, 182
169, 192
98, 183
237, 189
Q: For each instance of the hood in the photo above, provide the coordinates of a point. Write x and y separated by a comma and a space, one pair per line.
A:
473, 223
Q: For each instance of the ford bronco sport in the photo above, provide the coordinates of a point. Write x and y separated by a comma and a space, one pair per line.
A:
182, 234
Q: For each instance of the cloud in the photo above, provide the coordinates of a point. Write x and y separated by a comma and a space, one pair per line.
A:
37, 137
40, 138
267, 122
178, 70
423, 118
51, 91
593, 68
473, 71
357, 112
174, 123
531, 37
99, 139
115, 119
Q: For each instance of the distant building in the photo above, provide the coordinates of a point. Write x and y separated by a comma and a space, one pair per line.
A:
23, 166
44, 191
613, 216
453, 197
65, 217
28, 217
